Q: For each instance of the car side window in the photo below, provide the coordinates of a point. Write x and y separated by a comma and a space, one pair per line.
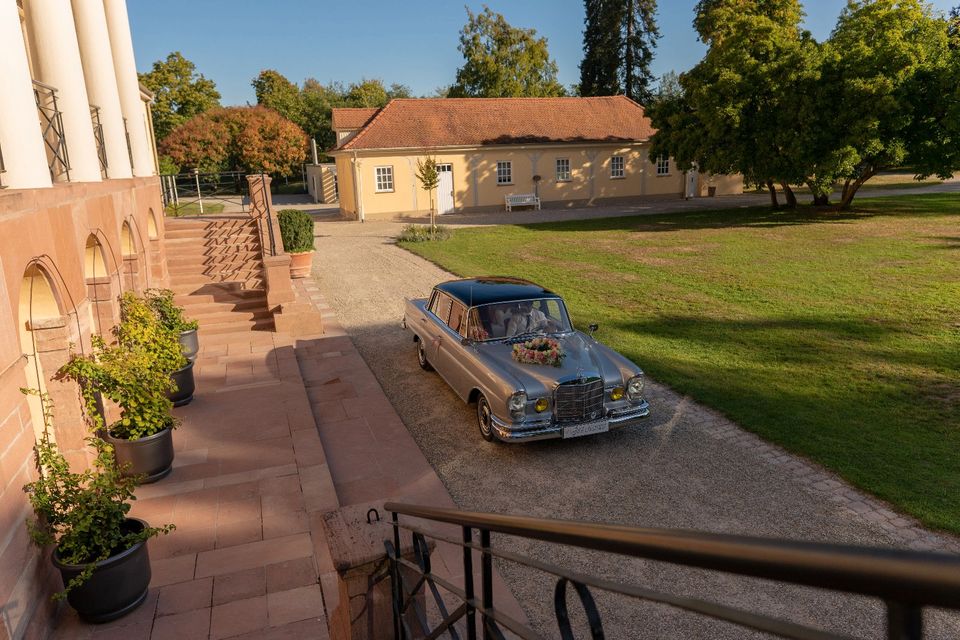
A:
458, 318
441, 306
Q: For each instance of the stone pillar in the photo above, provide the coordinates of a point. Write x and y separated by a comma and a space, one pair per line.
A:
53, 339
101, 80
125, 68
21, 142
58, 64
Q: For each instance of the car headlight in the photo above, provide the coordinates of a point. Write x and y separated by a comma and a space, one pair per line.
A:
635, 388
517, 405
616, 393
542, 404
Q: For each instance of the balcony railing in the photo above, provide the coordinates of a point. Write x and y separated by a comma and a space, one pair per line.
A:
126, 133
98, 137
51, 127
905, 581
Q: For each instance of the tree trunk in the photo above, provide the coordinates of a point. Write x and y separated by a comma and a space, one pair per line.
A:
628, 53
789, 195
773, 195
851, 191
821, 199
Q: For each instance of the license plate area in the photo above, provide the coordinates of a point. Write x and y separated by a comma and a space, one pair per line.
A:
586, 429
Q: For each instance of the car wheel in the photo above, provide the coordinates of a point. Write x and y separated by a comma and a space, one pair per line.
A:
484, 418
422, 357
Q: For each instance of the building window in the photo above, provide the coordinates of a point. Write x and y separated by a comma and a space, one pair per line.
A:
504, 172
616, 167
384, 179
663, 166
563, 169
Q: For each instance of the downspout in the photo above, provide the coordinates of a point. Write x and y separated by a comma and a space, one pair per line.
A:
357, 188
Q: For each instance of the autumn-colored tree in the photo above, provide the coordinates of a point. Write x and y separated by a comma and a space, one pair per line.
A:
252, 139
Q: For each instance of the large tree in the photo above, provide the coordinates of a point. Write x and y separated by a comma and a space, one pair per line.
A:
180, 93
619, 39
503, 61
251, 139
275, 92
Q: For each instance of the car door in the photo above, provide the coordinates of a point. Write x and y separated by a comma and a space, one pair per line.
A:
450, 348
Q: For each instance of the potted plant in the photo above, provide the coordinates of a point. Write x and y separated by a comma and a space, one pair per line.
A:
100, 551
296, 231
135, 375
171, 316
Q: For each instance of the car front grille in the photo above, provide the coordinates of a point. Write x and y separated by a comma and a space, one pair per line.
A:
579, 400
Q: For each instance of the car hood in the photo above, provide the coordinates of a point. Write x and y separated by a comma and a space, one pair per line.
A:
582, 358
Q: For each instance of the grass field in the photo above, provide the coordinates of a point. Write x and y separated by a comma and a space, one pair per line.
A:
834, 336
193, 209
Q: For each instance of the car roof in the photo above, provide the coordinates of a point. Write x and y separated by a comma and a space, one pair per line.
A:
489, 289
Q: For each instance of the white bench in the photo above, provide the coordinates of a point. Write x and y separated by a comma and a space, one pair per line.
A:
522, 200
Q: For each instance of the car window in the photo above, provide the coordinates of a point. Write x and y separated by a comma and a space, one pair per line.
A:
458, 316
551, 309
432, 305
441, 306
479, 329
505, 319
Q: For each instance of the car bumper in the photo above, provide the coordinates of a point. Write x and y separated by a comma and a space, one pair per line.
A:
531, 431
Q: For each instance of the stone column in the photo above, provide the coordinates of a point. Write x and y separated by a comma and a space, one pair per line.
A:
21, 143
125, 68
58, 64
98, 72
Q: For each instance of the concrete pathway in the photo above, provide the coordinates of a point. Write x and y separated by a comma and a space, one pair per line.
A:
688, 468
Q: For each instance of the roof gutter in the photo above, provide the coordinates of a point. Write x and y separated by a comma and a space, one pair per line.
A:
540, 145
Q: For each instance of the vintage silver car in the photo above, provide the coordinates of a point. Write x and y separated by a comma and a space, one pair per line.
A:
467, 331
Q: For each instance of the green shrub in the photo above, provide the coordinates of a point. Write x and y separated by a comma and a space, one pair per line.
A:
421, 233
134, 373
170, 314
296, 230
82, 513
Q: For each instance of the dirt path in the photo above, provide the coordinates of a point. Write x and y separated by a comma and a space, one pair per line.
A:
688, 468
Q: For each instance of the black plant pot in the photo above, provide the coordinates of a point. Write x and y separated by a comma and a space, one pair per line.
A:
185, 386
190, 344
151, 456
118, 584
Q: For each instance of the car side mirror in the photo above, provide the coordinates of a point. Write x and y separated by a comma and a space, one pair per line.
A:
593, 328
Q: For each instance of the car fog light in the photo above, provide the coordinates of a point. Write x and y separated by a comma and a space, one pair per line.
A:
635, 388
517, 405
616, 393
541, 405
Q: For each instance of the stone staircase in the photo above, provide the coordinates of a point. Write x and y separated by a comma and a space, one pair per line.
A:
216, 273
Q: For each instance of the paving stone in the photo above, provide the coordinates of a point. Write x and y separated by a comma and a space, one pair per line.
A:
235, 533
254, 554
292, 605
185, 596
238, 617
190, 625
239, 585
284, 576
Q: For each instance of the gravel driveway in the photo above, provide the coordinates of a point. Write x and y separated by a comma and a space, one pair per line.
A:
688, 468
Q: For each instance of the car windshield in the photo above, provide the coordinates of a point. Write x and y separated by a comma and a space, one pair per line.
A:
524, 317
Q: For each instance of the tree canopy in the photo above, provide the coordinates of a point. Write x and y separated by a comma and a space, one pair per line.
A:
771, 103
275, 92
619, 39
503, 61
180, 93
251, 139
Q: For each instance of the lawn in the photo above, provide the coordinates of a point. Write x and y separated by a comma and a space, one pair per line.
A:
193, 209
834, 336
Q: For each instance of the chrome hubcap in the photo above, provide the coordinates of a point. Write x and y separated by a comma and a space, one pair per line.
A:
484, 415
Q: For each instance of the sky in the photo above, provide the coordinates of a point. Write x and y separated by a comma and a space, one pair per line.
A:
413, 42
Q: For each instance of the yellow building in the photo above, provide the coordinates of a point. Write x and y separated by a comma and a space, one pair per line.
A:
565, 151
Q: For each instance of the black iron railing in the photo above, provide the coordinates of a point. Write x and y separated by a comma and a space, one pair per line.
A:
51, 127
98, 138
906, 581
126, 134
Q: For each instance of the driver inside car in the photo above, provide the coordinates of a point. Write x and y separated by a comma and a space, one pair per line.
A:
526, 319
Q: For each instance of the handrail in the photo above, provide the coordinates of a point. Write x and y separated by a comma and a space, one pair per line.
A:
905, 580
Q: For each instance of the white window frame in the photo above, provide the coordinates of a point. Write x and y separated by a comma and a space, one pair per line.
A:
616, 174
504, 169
663, 165
563, 175
383, 178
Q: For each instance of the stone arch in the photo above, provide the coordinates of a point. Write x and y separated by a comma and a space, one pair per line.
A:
131, 263
152, 232
94, 260
39, 307
99, 278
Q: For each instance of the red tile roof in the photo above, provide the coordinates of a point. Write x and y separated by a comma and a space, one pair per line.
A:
352, 118
444, 122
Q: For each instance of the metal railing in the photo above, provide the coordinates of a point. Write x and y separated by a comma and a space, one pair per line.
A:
265, 213
126, 134
187, 193
98, 138
3, 170
906, 581
51, 127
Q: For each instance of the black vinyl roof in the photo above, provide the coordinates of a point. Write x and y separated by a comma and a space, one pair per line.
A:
489, 289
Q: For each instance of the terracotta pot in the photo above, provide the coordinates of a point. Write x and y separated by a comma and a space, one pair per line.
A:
118, 584
301, 264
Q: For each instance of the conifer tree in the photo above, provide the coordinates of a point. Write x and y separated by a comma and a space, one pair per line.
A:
619, 39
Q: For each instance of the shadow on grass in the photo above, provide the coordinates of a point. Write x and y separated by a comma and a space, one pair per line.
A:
939, 204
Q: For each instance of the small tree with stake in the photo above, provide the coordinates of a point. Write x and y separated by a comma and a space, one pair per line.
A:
429, 179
